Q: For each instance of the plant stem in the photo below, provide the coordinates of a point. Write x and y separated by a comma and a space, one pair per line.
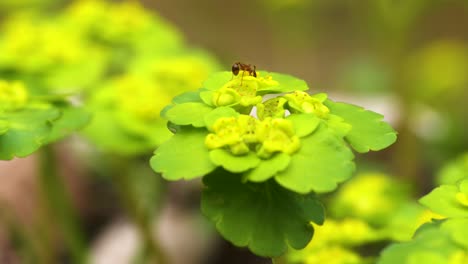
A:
279, 260
141, 217
58, 206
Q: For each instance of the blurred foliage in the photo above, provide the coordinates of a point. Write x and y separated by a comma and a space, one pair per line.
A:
373, 198
125, 61
12, 5
454, 171
121, 62
440, 241
364, 215
27, 122
439, 70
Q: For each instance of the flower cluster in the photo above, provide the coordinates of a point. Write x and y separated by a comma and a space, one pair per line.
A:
124, 62
265, 139
243, 133
284, 136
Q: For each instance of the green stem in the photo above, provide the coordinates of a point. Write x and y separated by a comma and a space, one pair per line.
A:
58, 206
279, 260
141, 217
20, 236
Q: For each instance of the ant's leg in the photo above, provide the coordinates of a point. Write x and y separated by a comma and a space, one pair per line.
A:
242, 77
255, 71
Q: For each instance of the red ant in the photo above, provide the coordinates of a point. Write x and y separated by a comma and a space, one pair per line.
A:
236, 67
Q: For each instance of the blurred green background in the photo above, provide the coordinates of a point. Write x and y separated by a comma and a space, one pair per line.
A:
125, 60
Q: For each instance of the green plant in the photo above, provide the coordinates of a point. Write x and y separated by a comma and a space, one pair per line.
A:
442, 240
28, 122
364, 215
123, 75
264, 160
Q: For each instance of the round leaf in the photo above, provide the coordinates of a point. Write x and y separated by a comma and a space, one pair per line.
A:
72, 119
28, 130
262, 216
287, 83
304, 124
188, 114
442, 200
207, 97
217, 80
321, 163
456, 227
183, 156
234, 163
368, 131
430, 245
187, 97
268, 168
217, 113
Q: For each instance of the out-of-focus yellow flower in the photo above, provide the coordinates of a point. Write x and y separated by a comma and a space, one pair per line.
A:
126, 22
13, 95
9, 5
349, 231
34, 45
373, 197
459, 257
186, 70
144, 99
439, 68
49, 53
333, 255
112, 20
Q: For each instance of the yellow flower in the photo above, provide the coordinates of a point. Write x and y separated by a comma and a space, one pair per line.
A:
13, 95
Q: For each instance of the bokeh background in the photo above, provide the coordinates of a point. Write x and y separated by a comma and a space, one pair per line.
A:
124, 60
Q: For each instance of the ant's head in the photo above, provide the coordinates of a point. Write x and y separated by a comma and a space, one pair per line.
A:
236, 68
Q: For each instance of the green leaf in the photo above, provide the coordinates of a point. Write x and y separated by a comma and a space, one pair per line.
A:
443, 200
338, 125
28, 129
4, 126
368, 131
218, 113
72, 119
287, 83
108, 135
187, 97
304, 124
188, 114
183, 156
262, 216
268, 168
454, 171
321, 163
431, 244
456, 227
234, 163
217, 80
207, 97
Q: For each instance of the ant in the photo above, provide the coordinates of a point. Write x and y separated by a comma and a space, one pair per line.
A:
236, 67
